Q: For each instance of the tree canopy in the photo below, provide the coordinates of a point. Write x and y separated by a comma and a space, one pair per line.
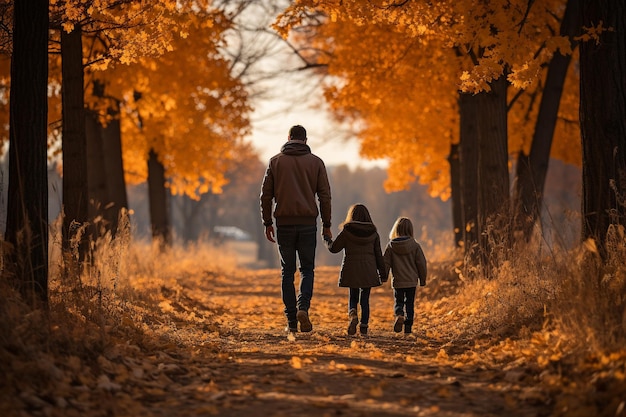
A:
396, 69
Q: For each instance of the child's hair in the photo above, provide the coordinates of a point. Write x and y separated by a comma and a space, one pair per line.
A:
402, 227
357, 213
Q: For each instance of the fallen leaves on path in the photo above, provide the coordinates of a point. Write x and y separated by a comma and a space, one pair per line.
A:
206, 342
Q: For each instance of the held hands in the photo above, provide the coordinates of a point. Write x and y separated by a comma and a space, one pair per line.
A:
327, 234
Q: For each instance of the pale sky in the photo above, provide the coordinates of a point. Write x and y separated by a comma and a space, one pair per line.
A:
283, 96
271, 123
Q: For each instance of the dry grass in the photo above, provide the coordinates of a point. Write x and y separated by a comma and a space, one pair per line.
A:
545, 307
116, 298
570, 293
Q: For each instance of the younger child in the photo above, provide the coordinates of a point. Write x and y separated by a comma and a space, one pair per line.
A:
405, 259
362, 266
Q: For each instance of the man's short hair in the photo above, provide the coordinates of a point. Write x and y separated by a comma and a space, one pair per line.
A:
297, 132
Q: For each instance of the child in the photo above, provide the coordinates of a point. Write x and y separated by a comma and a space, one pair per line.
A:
363, 264
405, 259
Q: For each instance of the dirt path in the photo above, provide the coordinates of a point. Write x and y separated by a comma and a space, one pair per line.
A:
247, 366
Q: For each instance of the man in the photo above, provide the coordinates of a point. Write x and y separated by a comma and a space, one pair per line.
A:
292, 180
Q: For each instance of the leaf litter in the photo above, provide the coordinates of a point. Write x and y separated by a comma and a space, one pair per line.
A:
214, 343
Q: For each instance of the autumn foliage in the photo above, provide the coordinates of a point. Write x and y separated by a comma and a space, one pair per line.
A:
396, 69
158, 67
188, 331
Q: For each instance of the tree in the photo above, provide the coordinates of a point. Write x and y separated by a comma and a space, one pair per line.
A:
107, 187
393, 60
532, 167
468, 155
492, 173
455, 186
75, 188
27, 219
186, 107
6, 45
126, 34
110, 27
159, 201
603, 121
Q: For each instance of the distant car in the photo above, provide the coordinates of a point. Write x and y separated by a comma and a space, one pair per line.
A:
231, 232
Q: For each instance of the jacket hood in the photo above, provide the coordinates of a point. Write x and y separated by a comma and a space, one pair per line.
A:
361, 230
403, 244
296, 148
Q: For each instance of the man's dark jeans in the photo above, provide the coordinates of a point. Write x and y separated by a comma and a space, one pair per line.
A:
297, 240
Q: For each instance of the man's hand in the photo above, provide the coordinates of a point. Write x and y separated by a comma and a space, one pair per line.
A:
269, 233
326, 233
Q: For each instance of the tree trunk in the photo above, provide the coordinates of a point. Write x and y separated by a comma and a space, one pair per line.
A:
157, 193
75, 187
212, 211
603, 120
188, 214
455, 186
493, 171
96, 175
109, 169
468, 155
114, 168
27, 205
533, 168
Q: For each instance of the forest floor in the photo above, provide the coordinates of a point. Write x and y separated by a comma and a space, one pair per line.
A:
263, 372
215, 344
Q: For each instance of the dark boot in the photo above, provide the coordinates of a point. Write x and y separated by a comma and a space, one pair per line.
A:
397, 325
363, 329
305, 322
408, 324
354, 320
292, 327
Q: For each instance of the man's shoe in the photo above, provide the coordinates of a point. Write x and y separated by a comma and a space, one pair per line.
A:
354, 320
305, 323
397, 325
363, 329
408, 328
292, 327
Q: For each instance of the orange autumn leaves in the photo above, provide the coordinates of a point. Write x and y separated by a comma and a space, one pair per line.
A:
161, 65
192, 111
396, 70
181, 101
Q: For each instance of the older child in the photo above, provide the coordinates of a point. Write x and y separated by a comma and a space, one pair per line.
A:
405, 259
362, 266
